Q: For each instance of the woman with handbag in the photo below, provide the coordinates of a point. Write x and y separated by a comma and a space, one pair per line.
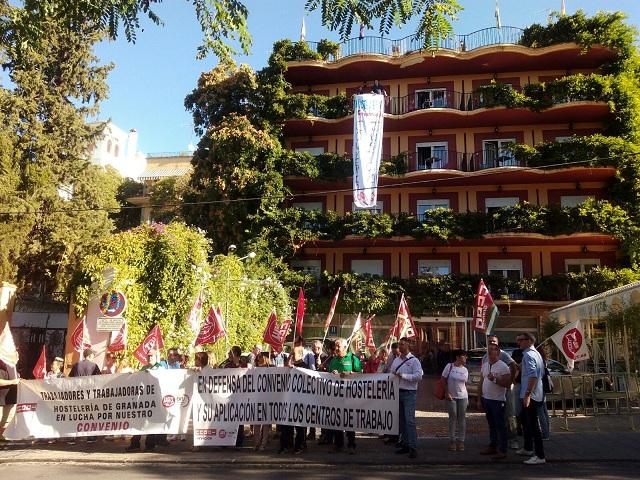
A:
456, 398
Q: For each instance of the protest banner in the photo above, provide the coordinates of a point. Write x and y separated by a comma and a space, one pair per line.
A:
225, 399
153, 401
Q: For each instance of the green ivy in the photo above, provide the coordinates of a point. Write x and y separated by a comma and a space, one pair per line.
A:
328, 49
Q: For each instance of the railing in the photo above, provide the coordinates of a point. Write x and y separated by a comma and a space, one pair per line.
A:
447, 160
410, 44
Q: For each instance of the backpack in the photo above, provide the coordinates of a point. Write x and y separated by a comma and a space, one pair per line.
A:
547, 383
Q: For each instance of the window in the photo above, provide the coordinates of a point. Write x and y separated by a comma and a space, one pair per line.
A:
508, 268
580, 265
563, 139
372, 267
431, 98
573, 200
425, 205
434, 267
116, 151
315, 151
486, 95
495, 153
308, 267
432, 155
377, 210
493, 204
314, 206
108, 146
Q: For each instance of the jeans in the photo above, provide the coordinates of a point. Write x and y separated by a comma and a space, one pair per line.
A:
457, 409
543, 418
407, 411
531, 428
495, 413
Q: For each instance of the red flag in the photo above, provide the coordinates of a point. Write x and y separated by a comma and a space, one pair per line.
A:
40, 370
406, 327
193, 319
300, 312
212, 329
275, 334
332, 310
120, 342
484, 307
153, 341
80, 336
368, 335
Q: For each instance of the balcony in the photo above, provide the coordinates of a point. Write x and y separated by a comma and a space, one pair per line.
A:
395, 48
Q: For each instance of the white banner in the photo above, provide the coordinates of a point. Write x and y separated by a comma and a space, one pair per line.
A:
367, 147
224, 399
153, 401
571, 342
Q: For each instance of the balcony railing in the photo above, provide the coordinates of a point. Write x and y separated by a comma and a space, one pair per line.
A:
447, 160
406, 45
460, 101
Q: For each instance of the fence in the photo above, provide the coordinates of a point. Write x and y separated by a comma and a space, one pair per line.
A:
595, 395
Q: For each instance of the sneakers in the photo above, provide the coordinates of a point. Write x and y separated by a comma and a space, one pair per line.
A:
452, 447
460, 447
402, 450
514, 445
535, 461
132, 448
413, 453
524, 453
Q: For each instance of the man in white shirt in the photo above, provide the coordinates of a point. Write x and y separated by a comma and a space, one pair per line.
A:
496, 378
409, 370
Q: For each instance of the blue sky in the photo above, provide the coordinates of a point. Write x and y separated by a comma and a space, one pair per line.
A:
152, 76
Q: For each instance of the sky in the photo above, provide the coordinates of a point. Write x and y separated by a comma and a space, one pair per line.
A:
152, 76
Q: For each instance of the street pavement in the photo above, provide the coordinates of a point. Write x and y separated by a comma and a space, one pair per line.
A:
606, 439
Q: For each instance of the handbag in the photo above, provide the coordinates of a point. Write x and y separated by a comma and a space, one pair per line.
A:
440, 388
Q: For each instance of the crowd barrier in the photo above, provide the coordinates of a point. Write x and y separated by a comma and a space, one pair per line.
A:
594, 395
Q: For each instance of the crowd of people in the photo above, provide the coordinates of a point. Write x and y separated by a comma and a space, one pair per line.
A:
510, 392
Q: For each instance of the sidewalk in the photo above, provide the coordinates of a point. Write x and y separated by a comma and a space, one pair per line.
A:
616, 443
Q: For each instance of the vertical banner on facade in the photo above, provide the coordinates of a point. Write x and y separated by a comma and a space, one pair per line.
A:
367, 147
225, 399
155, 401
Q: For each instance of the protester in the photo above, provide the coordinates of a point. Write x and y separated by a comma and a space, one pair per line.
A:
85, 368
234, 362
153, 363
395, 352
299, 444
319, 356
55, 370
512, 400
408, 369
123, 366
255, 353
109, 363
543, 417
372, 363
6, 383
344, 363
496, 378
201, 360
457, 399
362, 89
532, 396
261, 432
173, 359
378, 89
308, 356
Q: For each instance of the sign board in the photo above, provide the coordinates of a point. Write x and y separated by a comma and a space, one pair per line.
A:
109, 324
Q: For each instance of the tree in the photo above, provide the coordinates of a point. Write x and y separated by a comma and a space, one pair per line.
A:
168, 194
62, 202
162, 268
220, 20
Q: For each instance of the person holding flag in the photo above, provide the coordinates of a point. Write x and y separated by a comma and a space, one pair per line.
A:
7, 381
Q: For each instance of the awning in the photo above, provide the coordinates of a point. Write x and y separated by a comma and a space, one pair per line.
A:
155, 173
592, 308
